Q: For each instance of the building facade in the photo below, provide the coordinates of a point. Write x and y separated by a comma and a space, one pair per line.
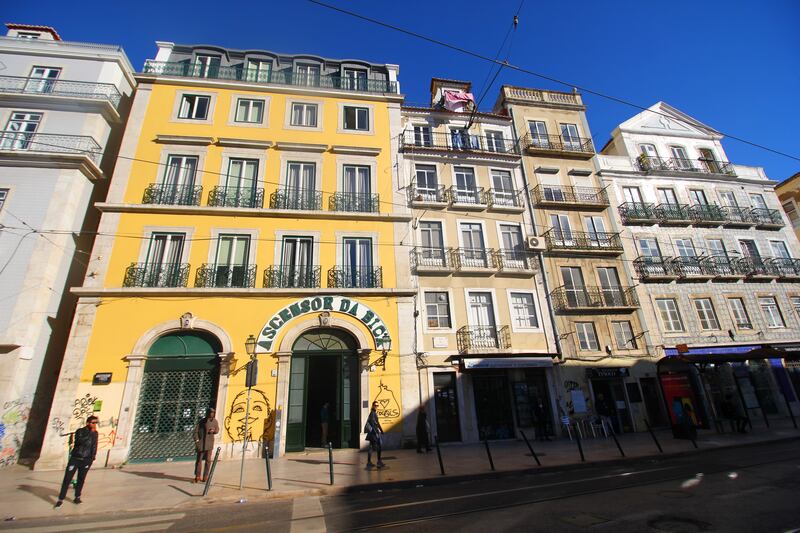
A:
483, 332
788, 192
254, 213
605, 365
716, 266
63, 107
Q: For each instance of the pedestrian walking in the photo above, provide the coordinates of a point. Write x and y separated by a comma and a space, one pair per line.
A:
422, 430
204, 444
730, 411
540, 413
374, 432
84, 451
324, 418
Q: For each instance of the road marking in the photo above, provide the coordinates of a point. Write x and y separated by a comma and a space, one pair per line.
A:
145, 523
307, 516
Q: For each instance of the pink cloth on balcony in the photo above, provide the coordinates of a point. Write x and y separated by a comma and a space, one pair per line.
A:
458, 101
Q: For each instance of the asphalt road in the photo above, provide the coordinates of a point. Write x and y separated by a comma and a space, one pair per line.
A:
752, 488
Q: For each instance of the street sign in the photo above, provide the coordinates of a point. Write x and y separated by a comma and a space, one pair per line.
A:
252, 374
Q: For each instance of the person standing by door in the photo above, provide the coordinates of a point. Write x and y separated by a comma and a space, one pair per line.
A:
422, 430
84, 451
324, 418
204, 443
606, 411
540, 413
374, 433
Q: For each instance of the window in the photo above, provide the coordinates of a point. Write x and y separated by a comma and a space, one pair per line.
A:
749, 248
28, 35
357, 188
495, 141
553, 193
258, 70
561, 229
698, 197
779, 249
574, 287
194, 106
728, 198
358, 263
356, 118
587, 336
795, 299
3, 197
685, 247
758, 201
427, 184
432, 253
354, 79
681, 159
609, 284
473, 253
230, 267
670, 317
596, 229
623, 335
296, 269
539, 134
307, 74
422, 136
19, 131
251, 111
240, 184
771, 312
437, 308
206, 66
716, 248
300, 189
632, 195
569, 133
667, 196
163, 263
304, 115
523, 310
42, 79
791, 211
466, 190
649, 150
739, 312
512, 250
706, 314
503, 184
649, 248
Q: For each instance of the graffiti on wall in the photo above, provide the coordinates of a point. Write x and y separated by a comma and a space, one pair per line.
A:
388, 407
106, 433
13, 420
260, 423
85, 406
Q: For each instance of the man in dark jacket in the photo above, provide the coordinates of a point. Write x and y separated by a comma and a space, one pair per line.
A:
204, 444
84, 452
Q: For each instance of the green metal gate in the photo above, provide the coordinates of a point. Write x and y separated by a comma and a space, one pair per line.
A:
177, 388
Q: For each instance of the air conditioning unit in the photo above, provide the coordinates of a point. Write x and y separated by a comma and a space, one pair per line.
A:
536, 243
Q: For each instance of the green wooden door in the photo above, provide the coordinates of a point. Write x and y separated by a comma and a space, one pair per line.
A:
296, 416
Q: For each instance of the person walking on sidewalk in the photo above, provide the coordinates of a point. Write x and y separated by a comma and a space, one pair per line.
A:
204, 444
84, 451
422, 430
374, 431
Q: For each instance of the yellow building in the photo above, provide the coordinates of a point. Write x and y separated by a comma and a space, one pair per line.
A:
255, 195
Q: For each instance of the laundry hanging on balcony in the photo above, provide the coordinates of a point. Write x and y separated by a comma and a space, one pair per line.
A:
459, 101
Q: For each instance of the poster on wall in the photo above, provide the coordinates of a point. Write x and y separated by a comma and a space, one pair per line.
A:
680, 398
578, 401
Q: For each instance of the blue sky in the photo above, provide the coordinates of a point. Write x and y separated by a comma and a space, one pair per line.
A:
734, 65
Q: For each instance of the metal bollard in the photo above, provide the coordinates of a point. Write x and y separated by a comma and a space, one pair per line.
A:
650, 429
439, 454
211, 472
533, 453
691, 438
580, 447
330, 460
614, 435
489, 453
269, 471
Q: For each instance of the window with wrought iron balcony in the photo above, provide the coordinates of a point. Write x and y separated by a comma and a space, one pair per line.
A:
211, 275
568, 196
156, 275
577, 298
355, 277
292, 276
595, 242
476, 339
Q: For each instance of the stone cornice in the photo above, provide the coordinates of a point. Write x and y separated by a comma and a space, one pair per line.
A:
301, 147
355, 150
194, 292
683, 176
184, 139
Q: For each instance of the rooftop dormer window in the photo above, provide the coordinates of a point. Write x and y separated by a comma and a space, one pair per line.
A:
307, 74
28, 35
206, 66
354, 79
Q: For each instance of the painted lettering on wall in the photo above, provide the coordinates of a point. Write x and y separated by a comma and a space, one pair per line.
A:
83, 407
261, 422
336, 304
388, 407
13, 419
570, 385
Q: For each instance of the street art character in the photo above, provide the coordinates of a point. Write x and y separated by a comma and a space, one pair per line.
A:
260, 423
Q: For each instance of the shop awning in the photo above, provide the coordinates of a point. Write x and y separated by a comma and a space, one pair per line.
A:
732, 354
507, 362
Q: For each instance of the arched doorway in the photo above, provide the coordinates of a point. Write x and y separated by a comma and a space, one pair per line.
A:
324, 369
179, 384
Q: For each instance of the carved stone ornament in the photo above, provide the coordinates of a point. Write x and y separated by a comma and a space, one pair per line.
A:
324, 319
187, 321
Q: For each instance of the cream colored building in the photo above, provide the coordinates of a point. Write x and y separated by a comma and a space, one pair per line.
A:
484, 337
605, 365
788, 192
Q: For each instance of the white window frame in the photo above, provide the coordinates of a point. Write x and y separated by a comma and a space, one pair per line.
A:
179, 95
763, 304
580, 336
305, 116
449, 315
512, 314
190, 107
4, 192
734, 312
669, 321
778, 249
706, 314
629, 343
370, 125
238, 101
287, 121
493, 137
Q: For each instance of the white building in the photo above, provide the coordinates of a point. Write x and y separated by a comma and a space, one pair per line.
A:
719, 281
63, 107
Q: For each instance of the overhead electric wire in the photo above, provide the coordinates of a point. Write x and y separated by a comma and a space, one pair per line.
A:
534, 73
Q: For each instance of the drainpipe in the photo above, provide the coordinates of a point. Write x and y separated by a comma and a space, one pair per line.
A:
541, 261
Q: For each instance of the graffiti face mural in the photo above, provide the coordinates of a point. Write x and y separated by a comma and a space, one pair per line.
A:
260, 421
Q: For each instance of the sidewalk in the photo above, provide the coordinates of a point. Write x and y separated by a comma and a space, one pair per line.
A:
28, 494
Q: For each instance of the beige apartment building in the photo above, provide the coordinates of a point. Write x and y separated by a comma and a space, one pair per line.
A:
485, 342
604, 366
788, 192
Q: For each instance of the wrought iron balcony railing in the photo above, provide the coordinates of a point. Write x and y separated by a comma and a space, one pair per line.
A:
598, 298
514, 260
638, 213
469, 258
579, 241
429, 258
706, 166
355, 202
557, 143
51, 143
655, 268
673, 214
758, 267
767, 218
723, 266
347, 277
737, 216
292, 276
431, 195
168, 194
693, 267
456, 140
786, 267
476, 338
211, 275
236, 197
560, 196
707, 214
66, 88
156, 275
503, 199
282, 77
466, 197
296, 199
